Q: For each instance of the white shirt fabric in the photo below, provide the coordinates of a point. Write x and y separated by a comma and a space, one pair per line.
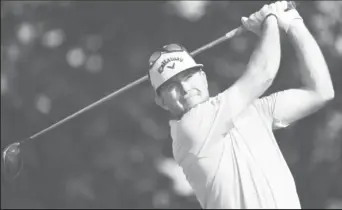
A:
234, 163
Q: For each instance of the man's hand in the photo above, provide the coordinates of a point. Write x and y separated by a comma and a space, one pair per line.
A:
255, 21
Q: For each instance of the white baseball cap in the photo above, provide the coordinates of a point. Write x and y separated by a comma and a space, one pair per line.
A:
168, 62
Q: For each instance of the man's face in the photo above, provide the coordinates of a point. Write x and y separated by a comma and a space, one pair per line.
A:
184, 91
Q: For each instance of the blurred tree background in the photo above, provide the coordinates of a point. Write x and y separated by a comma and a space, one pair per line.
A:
59, 56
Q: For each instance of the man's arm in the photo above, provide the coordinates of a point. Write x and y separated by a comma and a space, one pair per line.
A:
259, 75
294, 104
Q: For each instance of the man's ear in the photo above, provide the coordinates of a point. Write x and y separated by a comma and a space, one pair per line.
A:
159, 101
205, 78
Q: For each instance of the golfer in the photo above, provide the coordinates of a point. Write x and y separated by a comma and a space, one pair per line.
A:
225, 143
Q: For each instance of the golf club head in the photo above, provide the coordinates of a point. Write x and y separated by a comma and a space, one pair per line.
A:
12, 161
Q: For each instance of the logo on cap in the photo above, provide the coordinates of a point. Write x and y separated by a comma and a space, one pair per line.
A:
171, 67
168, 60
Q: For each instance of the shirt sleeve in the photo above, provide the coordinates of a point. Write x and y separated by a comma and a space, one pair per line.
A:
266, 107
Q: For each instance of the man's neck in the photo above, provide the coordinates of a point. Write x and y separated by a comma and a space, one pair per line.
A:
177, 116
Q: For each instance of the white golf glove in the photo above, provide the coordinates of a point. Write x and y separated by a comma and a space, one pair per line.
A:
285, 18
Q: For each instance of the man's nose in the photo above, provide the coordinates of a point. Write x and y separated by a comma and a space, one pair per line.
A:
185, 86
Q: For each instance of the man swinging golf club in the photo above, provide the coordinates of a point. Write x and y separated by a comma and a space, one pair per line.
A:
225, 143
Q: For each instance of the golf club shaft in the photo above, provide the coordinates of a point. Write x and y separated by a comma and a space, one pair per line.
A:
227, 36
106, 98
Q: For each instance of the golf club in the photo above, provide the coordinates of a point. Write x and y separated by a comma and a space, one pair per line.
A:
11, 155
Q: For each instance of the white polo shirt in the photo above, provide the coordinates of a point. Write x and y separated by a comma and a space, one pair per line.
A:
236, 164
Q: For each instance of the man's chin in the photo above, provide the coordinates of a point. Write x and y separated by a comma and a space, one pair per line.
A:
193, 101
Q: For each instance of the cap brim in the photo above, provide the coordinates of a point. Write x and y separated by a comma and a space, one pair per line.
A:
188, 68
192, 67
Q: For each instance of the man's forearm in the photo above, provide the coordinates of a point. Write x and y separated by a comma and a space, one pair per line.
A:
265, 59
316, 75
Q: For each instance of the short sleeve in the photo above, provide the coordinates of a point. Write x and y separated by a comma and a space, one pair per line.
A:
266, 107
